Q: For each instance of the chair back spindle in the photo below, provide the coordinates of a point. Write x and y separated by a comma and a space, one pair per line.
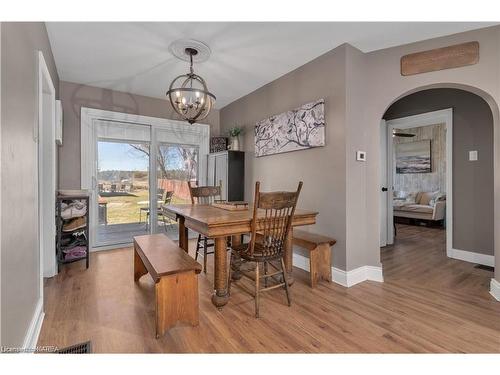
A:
270, 232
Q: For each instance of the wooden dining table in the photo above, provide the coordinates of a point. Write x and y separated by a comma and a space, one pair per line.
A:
220, 224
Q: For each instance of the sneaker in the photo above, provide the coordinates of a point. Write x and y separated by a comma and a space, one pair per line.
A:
72, 210
74, 224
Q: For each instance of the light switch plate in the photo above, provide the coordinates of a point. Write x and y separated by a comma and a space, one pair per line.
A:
472, 155
360, 155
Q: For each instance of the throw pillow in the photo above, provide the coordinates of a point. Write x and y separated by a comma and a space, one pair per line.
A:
412, 197
426, 197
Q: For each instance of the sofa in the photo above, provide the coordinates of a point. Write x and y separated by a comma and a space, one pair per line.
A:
420, 205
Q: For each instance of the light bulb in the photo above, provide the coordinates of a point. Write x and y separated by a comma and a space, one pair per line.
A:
178, 93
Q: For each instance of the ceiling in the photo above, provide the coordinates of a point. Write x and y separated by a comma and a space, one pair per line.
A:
134, 57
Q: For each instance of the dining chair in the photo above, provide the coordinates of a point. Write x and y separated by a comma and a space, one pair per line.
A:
168, 219
204, 195
166, 199
272, 219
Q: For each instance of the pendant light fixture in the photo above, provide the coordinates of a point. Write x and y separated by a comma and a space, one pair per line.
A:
188, 93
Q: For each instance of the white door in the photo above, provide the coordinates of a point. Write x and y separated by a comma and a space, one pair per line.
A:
383, 184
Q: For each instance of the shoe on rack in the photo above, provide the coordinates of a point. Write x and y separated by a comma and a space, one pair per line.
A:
74, 224
73, 209
73, 241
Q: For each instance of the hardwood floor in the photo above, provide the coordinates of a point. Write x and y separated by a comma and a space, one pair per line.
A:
428, 303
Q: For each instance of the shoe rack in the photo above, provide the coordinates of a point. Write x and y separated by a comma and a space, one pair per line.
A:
66, 236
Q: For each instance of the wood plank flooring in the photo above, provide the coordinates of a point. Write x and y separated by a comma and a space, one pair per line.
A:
428, 303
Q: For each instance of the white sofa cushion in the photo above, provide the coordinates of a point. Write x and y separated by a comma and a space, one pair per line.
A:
420, 208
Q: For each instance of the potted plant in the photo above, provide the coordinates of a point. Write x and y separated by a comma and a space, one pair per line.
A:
234, 133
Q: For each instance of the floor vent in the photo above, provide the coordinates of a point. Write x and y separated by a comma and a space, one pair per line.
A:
486, 268
83, 348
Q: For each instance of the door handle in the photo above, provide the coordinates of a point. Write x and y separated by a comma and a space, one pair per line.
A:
384, 189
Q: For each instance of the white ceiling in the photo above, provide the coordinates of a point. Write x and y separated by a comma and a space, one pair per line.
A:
133, 56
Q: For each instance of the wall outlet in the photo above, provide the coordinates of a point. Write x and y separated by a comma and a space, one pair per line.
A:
361, 155
472, 155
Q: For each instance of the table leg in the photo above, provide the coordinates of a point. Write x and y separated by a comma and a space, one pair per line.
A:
289, 256
183, 234
236, 261
220, 296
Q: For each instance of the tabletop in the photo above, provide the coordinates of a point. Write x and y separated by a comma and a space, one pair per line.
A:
213, 221
208, 214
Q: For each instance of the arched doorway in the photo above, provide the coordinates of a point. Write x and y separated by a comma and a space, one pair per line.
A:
472, 184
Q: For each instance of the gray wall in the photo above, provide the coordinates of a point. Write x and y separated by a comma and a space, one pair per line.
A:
19, 221
472, 180
384, 85
362, 86
322, 169
436, 179
74, 96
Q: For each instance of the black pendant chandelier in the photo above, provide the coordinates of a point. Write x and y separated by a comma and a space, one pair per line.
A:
189, 95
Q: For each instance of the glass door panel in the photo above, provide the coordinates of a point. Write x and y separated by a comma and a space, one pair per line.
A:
123, 191
176, 165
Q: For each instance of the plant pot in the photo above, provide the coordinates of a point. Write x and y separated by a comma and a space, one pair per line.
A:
235, 143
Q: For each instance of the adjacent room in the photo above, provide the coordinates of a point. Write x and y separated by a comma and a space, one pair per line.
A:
250, 187
441, 172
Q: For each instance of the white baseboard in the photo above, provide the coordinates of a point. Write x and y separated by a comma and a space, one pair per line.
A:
469, 256
495, 289
31, 338
344, 278
301, 262
357, 275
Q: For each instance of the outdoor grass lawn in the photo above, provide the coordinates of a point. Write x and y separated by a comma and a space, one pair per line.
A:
125, 209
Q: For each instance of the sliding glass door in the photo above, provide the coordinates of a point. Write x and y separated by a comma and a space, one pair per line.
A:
134, 170
123, 191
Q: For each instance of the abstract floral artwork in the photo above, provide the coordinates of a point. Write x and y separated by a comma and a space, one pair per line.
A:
298, 129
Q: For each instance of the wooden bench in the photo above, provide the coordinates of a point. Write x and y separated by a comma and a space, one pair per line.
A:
320, 254
175, 275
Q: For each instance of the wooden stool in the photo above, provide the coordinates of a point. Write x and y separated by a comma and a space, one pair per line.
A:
175, 275
320, 254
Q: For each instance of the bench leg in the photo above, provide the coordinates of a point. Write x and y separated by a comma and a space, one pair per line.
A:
183, 234
139, 268
320, 264
176, 301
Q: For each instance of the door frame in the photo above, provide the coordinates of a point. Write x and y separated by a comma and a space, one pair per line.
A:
46, 192
89, 152
383, 205
425, 119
